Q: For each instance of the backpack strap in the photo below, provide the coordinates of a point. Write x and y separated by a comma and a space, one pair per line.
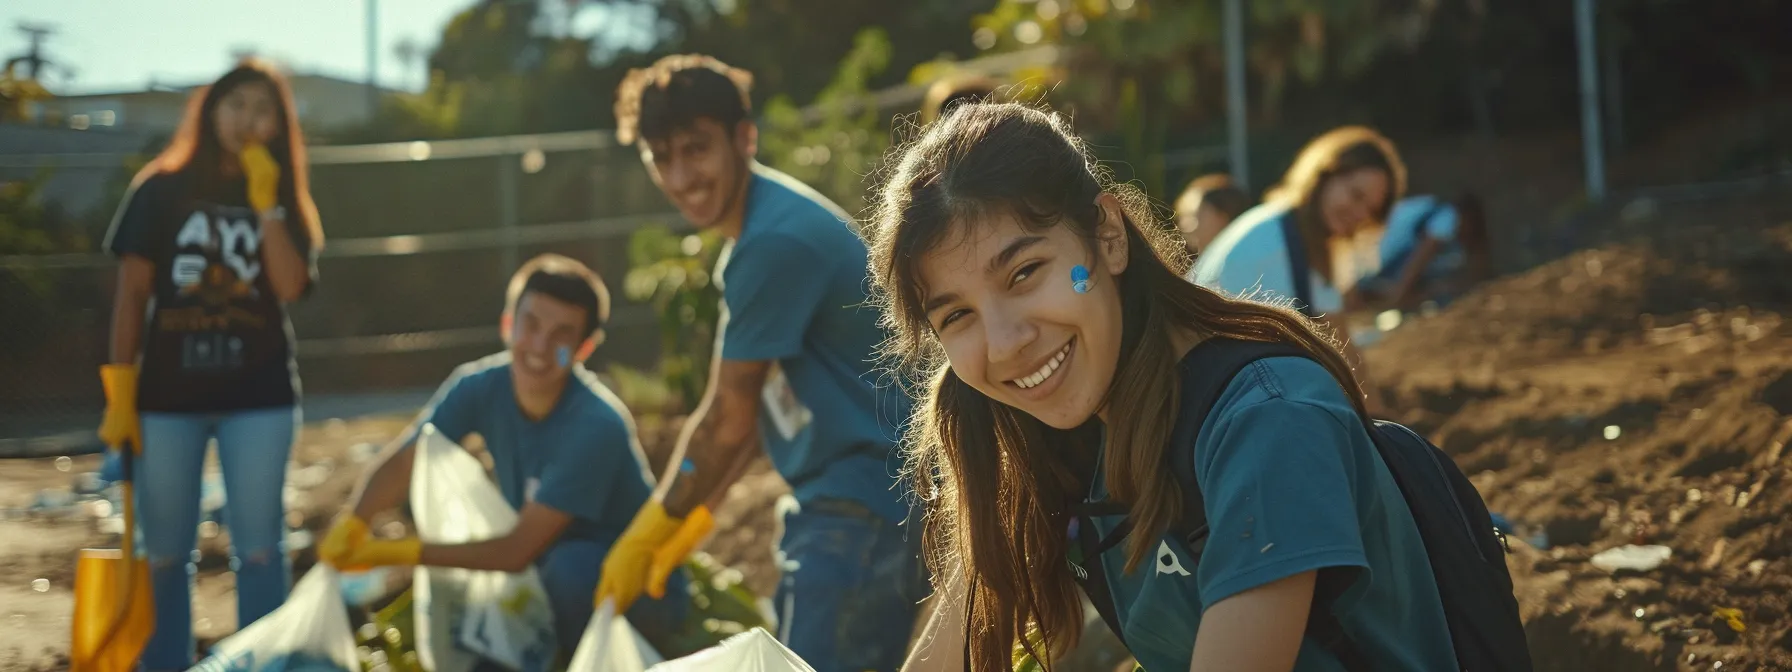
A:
1297, 265
1206, 373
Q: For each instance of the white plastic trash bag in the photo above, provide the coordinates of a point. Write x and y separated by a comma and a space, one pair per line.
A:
751, 651
610, 644
309, 633
463, 615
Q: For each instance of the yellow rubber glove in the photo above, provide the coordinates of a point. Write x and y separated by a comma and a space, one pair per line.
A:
672, 553
121, 426
263, 175
348, 532
625, 568
372, 553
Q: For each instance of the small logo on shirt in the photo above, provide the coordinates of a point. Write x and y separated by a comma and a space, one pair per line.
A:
1167, 562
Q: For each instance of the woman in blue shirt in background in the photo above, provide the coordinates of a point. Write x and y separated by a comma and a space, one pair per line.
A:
1045, 305
1297, 243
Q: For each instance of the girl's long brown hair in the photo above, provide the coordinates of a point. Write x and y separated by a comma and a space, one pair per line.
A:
195, 151
1338, 151
995, 481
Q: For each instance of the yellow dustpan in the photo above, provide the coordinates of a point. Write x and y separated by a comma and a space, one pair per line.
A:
114, 610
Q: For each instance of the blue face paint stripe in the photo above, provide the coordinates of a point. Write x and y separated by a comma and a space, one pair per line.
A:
1079, 279
563, 355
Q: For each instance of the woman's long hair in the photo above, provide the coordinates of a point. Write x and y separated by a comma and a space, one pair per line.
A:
195, 151
996, 481
1338, 151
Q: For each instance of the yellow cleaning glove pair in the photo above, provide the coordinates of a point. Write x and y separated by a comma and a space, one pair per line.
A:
648, 551
350, 546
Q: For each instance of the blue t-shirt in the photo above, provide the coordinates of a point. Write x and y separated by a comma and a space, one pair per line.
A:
582, 459
1292, 484
1413, 219
794, 293
1250, 259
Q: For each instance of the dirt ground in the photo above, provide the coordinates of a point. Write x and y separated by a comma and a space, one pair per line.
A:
1636, 393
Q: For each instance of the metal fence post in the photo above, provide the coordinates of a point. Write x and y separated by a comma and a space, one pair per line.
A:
1235, 93
507, 211
1592, 137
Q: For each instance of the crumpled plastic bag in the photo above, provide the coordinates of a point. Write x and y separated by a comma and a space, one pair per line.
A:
610, 644
309, 633
751, 651
463, 615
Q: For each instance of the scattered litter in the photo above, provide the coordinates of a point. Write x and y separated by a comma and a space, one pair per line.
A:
1388, 320
1717, 554
89, 483
1612, 432
63, 464
1695, 496
1640, 613
310, 477
99, 508
41, 585
362, 452
298, 540
1632, 557
1731, 617
211, 494
1755, 567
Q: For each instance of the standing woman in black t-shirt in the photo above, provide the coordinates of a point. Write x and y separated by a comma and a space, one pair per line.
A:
218, 234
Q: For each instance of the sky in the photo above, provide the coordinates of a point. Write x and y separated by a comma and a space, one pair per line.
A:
122, 45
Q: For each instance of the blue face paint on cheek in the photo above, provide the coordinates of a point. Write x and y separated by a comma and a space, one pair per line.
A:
563, 355
1079, 279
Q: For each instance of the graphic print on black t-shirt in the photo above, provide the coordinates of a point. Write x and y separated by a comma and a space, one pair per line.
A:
217, 339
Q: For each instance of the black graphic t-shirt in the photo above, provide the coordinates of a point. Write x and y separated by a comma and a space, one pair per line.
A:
216, 338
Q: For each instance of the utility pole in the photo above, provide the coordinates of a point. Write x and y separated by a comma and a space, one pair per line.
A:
373, 58
34, 58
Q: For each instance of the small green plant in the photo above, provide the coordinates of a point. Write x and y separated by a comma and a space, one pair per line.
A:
672, 272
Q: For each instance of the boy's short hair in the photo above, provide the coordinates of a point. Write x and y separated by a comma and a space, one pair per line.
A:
1215, 189
675, 92
953, 90
565, 279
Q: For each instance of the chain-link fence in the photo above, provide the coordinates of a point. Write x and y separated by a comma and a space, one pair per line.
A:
422, 238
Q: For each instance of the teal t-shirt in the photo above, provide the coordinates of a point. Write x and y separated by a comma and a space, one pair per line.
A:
1292, 484
794, 293
582, 459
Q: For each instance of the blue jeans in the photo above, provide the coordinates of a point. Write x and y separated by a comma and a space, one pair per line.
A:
569, 571
852, 582
253, 446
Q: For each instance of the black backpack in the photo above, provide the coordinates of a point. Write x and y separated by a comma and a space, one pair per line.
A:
1467, 553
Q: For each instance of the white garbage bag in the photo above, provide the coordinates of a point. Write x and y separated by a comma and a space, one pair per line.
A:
751, 651
610, 644
464, 615
309, 633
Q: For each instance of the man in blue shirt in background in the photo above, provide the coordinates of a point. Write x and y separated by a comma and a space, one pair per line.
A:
563, 452
795, 376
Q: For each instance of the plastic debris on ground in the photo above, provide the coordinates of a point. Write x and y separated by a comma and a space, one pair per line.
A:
1631, 557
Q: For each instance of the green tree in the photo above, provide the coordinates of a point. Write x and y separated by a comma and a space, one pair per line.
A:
840, 137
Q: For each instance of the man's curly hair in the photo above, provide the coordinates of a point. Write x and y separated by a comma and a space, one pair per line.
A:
675, 92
